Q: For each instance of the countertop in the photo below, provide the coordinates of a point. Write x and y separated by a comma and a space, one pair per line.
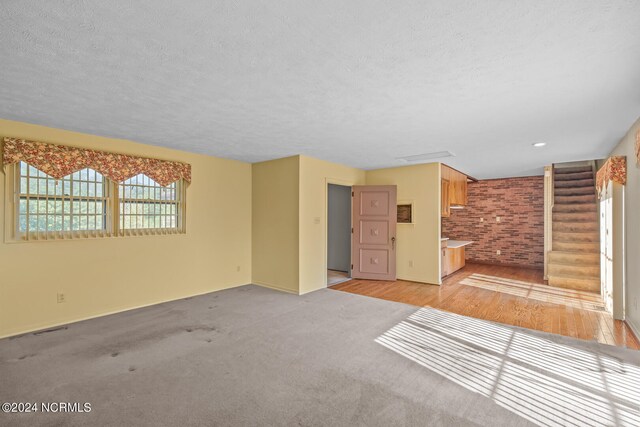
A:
453, 244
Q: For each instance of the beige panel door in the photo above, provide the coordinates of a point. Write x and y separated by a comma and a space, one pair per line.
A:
374, 232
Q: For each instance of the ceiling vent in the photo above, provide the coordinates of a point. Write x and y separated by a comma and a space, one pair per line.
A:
426, 156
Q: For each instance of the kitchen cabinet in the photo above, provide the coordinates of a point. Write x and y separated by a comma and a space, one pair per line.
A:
452, 255
455, 193
452, 259
443, 258
458, 193
445, 209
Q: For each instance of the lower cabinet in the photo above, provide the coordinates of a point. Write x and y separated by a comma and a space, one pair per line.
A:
452, 259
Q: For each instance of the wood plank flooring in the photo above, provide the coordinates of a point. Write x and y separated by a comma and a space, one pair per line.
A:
514, 296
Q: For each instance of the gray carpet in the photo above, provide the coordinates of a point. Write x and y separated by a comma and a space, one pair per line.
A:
252, 356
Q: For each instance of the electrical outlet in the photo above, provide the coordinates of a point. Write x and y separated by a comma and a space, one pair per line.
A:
498, 252
238, 268
481, 219
497, 219
410, 263
61, 298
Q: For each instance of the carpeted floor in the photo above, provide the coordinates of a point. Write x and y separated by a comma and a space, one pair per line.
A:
254, 356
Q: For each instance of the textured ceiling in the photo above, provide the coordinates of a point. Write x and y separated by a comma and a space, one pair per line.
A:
356, 82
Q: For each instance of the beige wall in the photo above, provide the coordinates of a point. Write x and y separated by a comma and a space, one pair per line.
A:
264, 223
113, 274
626, 147
315, 175
418, 243
275, 221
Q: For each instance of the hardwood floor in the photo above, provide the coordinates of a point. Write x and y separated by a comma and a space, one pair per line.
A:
514, 296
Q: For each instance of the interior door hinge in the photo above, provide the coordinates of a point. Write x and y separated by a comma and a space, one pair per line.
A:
353, 194
352, 266
351, 230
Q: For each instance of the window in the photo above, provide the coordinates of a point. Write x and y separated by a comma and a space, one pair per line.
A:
87, 204
77, 202
146, 205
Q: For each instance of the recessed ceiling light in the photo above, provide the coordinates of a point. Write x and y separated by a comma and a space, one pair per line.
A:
539, 144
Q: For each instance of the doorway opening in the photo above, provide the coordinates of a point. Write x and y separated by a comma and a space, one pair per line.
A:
338, 234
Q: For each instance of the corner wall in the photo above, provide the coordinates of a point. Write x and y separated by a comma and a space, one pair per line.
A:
418, 247
275, 219
108, 275
631, 232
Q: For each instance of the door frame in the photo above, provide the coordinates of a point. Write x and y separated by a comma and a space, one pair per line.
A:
345, 183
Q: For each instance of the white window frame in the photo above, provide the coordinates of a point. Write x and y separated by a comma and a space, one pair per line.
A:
112, 214
180, 212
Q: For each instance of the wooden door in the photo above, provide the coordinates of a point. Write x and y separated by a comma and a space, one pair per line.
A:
374, 213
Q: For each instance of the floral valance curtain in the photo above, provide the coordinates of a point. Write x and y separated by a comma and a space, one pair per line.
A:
614, 169
59, 161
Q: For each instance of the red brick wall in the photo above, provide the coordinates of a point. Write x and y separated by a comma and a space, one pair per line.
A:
519, 202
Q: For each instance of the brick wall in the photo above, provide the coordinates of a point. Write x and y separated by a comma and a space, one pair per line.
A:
519, 202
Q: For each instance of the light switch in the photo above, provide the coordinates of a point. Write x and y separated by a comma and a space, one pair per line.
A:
481, 219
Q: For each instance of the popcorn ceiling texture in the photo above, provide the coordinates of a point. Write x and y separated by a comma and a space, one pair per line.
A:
519, 202
354, 82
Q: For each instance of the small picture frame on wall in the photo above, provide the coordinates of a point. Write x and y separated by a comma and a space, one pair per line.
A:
405, 213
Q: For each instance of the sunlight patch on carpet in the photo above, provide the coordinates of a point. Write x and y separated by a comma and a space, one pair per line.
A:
547, 383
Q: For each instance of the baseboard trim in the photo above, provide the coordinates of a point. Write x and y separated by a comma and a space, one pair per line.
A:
634, 329
275, 287
41, 328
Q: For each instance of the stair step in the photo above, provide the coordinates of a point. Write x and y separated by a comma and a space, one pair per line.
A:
574, 191
589, 198
574, 183
572, 176
575, 217
572, 169
559, 245
575, 258
575, 227
572, 282
577, 270
575, 237
577, 207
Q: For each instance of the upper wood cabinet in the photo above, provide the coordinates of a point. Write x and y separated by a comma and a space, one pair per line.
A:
445, 209
456, 191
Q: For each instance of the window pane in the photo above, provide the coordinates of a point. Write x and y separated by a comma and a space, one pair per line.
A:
55, 205
145, 204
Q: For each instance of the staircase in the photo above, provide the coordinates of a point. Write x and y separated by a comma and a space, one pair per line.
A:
574, 261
